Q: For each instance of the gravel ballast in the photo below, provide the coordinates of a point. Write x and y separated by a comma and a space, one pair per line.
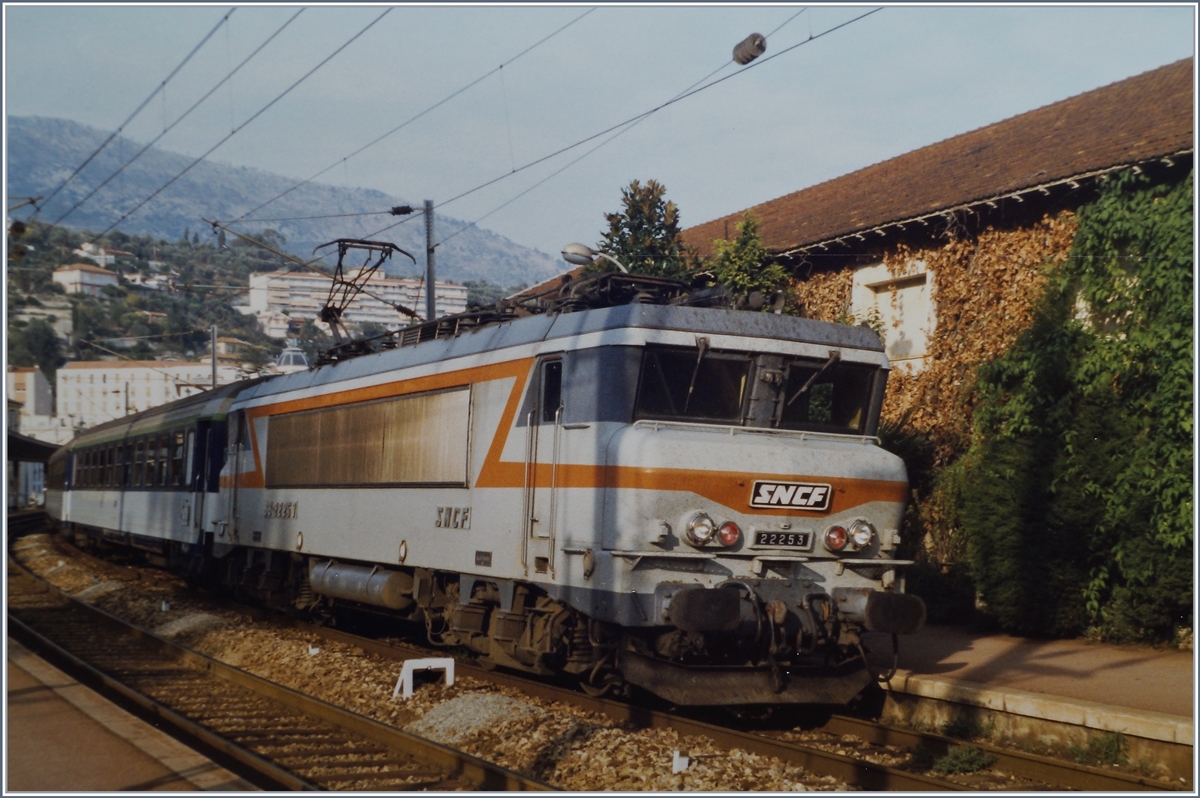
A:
557, 743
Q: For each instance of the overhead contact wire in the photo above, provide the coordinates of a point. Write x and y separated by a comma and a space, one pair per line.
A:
639, 117
161, 87
405, 124
167, 130
257, 114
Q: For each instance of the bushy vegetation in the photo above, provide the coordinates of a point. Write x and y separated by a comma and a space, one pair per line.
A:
482, 292
742, 264
1075, 495
963, 759
206, 279
645, 235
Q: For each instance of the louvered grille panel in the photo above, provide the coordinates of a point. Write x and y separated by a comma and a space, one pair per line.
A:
410, 440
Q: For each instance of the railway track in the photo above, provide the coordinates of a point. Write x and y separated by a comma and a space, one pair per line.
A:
275, 737
25, 522
1043, 772
837, 748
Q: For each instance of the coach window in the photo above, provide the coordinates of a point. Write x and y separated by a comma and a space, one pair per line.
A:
188, 456
139, 464
177, 458
108, 466
152, 462
551, 390
127, 465
164, 460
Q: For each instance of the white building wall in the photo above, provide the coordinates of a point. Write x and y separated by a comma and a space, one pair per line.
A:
93, 392
902, 304
303, 295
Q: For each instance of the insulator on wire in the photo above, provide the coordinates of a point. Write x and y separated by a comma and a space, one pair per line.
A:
750, 48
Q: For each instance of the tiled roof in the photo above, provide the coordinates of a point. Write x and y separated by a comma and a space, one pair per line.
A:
1142, 117
129, 364
84, 267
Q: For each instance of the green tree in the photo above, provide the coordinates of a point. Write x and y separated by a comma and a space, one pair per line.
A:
482, 292
1076, 493
36, 345
742, 265
645, 237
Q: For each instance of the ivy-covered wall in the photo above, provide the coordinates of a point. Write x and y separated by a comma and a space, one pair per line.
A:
1075, 493
1049, 435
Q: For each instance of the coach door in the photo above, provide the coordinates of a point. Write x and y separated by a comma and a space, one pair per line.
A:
543, 425
227, 527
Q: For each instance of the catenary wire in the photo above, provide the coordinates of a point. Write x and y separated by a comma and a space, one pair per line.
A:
618, 133
181, 117
642, 115
137, 111
232, 133
408, 122
621, 132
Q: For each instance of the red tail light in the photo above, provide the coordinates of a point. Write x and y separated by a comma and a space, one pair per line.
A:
836, 538
729, 534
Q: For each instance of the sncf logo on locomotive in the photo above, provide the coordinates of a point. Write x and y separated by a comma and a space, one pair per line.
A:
801, 495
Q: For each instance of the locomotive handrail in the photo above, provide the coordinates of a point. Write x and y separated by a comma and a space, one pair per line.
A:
730, 429
554, 487
638, 556
526, 495
880, 561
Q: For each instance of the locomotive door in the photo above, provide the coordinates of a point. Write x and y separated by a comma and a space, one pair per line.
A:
543, 425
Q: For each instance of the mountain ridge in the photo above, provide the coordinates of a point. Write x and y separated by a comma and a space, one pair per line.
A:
44, 151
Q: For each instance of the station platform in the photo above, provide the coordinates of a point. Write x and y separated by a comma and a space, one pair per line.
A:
1051, 687
63, 736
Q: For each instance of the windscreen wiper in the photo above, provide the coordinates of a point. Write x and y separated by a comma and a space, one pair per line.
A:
701, 348
834, 357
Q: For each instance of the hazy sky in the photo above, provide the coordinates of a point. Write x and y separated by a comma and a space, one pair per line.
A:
893, 81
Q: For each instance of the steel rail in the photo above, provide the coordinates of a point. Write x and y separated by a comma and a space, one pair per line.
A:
24, 522
858, 773
457, 768
1033, 766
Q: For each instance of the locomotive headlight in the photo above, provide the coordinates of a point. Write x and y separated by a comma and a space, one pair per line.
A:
729, 534
836, 538
700, 530
861, 535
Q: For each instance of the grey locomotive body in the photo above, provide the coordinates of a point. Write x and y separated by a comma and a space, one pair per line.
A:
686, 499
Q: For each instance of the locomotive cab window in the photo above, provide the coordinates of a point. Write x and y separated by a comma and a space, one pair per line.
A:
826, 396
692, 384
551, 390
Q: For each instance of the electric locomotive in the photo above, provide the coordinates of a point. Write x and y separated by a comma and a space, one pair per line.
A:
619, 479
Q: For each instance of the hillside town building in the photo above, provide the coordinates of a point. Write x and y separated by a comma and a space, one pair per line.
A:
83, 278
103, 256
93, 392
299, 296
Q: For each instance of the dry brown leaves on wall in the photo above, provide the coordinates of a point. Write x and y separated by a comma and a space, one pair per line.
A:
824, 296
984, 293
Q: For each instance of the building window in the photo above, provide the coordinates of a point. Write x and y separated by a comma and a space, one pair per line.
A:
900, 305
